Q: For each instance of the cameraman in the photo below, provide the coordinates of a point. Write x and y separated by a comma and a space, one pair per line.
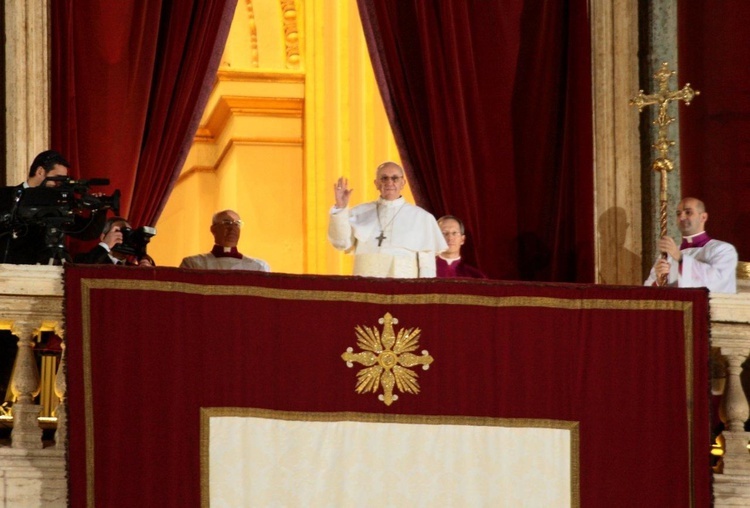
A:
46, 165
27, 244
106, 253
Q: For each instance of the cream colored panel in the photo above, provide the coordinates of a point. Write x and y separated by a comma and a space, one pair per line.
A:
264, 462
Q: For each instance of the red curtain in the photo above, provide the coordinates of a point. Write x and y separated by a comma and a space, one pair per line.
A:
130, 80
628, 364
490, 102
715, 128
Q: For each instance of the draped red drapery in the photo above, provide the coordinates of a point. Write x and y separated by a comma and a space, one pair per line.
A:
628, 364
129, 83
490, 103
715, 129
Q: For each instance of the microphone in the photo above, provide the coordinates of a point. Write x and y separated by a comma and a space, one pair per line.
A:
9, 218
16, 199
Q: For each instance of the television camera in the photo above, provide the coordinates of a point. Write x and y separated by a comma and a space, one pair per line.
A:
41, 217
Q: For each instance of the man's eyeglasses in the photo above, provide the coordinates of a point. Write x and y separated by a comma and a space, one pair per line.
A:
228, 222
394, 178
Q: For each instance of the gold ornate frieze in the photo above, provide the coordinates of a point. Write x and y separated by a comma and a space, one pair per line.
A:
252, 27
387, 359
291, 33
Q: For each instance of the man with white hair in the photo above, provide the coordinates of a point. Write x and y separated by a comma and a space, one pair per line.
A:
389, 237
225, 226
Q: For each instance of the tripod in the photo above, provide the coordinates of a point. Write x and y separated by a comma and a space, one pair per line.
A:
54, 252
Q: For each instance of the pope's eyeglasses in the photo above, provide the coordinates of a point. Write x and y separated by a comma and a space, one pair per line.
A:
394, 178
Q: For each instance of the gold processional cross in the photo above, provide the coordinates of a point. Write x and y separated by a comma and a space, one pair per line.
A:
663, 164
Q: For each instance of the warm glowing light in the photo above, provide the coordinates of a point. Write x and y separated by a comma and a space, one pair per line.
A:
44, 419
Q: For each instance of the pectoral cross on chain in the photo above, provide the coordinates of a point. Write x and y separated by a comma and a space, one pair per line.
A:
663, 164
383, 228
380, 238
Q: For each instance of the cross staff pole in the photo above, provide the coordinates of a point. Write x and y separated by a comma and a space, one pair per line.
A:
663, 164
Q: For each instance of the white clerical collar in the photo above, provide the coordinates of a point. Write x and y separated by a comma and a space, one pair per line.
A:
692, 238
391, 204
450, 261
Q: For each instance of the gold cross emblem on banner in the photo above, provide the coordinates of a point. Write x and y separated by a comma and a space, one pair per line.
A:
387, 358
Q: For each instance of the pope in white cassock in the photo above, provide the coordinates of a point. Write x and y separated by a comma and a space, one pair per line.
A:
699, 261
389, 237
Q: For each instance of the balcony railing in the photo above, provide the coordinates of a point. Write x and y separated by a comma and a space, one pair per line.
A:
32, 469
31, 302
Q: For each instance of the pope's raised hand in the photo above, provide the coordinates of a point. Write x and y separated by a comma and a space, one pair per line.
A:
341, 192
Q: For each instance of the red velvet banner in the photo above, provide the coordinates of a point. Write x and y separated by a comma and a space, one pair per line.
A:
147, 349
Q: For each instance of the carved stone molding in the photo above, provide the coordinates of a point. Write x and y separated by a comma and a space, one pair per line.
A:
291, 33
726, 308
252, 27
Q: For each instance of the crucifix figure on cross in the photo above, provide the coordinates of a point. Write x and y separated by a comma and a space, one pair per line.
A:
663, 164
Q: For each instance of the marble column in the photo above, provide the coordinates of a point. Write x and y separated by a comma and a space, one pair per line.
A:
658, 44
27, 88
617, 179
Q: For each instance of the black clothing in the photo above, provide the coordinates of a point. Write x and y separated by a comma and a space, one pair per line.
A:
96, 256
